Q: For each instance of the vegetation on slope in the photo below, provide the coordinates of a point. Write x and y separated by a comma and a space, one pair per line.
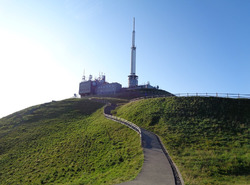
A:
208, 138
67, 142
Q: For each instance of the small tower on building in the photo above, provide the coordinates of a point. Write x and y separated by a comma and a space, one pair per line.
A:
133, 78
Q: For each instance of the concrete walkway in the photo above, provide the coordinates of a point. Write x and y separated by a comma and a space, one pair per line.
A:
156, 169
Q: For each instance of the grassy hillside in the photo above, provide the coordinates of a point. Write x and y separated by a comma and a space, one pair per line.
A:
208, 138
67, 142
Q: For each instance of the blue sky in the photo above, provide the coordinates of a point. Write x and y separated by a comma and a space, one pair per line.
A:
182, 46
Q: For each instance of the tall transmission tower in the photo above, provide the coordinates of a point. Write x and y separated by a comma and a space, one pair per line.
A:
133, 78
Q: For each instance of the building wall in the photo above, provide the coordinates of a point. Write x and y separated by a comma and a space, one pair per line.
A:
108, 88
85, 88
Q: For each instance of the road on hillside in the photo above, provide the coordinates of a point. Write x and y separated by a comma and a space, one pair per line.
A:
156, 169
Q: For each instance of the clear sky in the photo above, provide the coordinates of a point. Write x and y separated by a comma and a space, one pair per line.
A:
182, 46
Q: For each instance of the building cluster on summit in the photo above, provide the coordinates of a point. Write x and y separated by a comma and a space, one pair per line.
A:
99, 86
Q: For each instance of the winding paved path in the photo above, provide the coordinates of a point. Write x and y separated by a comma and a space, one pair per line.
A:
156, 169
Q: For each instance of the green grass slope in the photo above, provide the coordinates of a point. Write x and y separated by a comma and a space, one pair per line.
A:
208, 138
67, 142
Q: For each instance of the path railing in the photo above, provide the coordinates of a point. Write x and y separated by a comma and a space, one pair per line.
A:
219, 95
123, 121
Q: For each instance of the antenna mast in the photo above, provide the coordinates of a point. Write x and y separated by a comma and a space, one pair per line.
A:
133, 50
83, 77
133, 34
133, 79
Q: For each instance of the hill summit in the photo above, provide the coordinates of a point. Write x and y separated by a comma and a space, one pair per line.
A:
71, 142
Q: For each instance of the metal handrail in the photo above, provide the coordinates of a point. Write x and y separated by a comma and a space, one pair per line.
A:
124, 122
219, 95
